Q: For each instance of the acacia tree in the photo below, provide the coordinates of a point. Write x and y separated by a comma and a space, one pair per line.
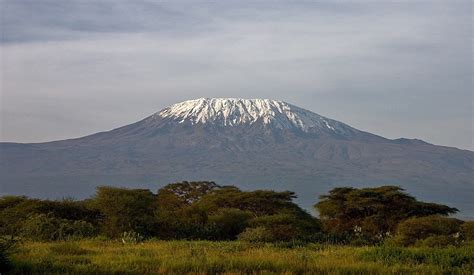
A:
273, 213
126, 210
177, 215
259, 202
373, 210
185, 193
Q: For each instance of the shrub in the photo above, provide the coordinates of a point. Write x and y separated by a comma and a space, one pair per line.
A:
46, 227
13, 211
417, 229
281, 228
228, 223
257, 234
467, 231
40, 227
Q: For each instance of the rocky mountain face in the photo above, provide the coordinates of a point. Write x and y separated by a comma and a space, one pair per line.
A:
253, 144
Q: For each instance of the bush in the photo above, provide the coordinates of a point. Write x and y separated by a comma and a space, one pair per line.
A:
467, 231
228, 223
257, 234
281, 228
46, 227
13, 211
414, 230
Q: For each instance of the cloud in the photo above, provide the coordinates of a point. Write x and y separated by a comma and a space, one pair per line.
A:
71, 68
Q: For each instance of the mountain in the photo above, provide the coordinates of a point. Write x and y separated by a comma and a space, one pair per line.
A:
251, 143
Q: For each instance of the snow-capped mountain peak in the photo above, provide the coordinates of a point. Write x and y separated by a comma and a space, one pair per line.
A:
236, 111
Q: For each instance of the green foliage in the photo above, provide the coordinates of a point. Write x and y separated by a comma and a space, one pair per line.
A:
19, 212
126, 210
228, 223
13, 211
418, 229
260, 202
46, 227
467, 231
207, 211
177, 216
186, 210
376, 211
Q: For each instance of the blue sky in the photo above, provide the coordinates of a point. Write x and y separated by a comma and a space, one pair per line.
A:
397, 69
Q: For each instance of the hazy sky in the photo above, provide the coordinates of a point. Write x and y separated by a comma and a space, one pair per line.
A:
397, 69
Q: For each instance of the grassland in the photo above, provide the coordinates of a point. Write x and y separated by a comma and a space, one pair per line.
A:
178, 257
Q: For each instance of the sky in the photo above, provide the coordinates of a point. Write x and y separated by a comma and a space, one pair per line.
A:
396, 69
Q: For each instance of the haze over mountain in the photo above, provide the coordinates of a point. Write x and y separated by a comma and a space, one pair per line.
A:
252, 143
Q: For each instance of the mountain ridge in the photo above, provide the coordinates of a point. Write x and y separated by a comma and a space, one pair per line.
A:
309, 160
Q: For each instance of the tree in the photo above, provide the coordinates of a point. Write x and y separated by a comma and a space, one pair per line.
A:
374, 210
177, 215
126, 210
275, 217
227, 223
204, 210
185, 193
259, 202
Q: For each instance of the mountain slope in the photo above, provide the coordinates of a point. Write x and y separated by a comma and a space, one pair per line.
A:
249, 143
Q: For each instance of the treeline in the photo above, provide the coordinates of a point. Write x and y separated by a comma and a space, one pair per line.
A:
207, 211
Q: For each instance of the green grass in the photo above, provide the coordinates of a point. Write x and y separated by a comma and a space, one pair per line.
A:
178, 257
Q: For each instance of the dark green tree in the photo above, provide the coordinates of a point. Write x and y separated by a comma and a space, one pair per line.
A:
178, 215
373, 211
260, 202
227, 223
274, 214
126, 210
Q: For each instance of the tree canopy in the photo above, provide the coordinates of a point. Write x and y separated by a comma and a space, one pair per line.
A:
126, 210
374, 210
206, 210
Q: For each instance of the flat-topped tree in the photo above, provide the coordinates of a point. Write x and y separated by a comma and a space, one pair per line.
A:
374, 210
